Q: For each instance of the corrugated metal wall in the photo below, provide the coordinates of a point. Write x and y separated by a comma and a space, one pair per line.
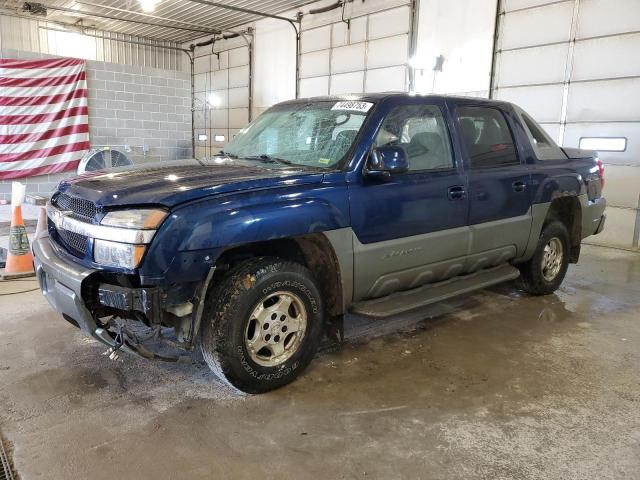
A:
40, 36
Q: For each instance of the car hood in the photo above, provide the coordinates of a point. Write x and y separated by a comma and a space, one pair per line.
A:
175, 182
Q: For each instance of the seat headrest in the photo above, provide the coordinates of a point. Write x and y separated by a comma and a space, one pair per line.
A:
431, 141
469, 129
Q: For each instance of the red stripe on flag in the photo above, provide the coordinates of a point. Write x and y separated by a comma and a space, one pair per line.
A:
30, 172
42, 100
43, 117
45, 152
48, 63
42, 81
46, 135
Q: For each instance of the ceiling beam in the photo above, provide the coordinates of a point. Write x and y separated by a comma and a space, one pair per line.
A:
148, 15
113, 17
243, 10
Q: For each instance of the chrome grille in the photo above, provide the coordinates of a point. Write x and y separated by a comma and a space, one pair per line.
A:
84, 209
75, 242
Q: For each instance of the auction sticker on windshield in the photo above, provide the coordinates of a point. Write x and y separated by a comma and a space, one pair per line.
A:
353, 106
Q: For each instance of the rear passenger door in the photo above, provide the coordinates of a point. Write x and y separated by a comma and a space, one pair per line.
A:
499, 186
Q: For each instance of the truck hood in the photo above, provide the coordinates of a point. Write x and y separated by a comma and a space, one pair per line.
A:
175, 182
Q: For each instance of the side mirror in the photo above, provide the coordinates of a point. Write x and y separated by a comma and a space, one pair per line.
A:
386, 161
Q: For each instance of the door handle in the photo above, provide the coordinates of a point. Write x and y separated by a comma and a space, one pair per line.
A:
456, 192
519, 186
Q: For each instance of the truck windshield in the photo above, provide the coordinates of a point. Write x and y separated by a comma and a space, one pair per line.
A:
317, 134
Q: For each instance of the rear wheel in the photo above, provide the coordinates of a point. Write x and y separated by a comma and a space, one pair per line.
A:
544, 273
263, 324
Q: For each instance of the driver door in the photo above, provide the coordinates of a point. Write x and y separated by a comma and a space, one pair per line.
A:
411, 228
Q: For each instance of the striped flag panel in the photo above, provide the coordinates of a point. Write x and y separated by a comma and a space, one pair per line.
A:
44, 116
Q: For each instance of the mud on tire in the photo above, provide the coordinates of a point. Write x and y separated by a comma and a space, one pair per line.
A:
228, 326
534, 278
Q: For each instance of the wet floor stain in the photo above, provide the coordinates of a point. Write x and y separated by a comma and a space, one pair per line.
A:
495, 385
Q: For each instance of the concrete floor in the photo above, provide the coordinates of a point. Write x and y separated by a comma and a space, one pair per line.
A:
496, 385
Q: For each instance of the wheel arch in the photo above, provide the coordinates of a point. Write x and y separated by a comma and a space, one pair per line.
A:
313, 250
568, 211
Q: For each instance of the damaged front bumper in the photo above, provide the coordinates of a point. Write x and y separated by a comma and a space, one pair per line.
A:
71, 289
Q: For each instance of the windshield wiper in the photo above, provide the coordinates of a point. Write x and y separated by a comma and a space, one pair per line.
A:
269, 159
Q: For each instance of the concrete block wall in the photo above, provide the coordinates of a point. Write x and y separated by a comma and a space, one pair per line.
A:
147, 109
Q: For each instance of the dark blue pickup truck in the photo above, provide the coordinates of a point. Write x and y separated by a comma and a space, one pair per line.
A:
372, 204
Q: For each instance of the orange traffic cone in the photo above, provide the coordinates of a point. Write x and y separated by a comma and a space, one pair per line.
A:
19, 258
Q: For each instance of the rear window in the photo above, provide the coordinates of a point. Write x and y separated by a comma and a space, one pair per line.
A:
543, 146
487, 137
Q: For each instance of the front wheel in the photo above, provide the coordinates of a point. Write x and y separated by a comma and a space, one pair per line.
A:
262, 325
544, 273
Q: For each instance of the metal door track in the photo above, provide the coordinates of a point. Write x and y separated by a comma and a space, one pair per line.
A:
5, 468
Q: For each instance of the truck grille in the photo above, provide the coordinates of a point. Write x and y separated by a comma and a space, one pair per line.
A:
81, 208
76, 243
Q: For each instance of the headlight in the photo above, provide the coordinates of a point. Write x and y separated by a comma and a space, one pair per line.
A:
114, 254
147, 218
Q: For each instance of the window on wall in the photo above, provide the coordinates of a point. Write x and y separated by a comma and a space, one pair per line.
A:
487, 137
422, 132
71, 44
604, 144
543, 146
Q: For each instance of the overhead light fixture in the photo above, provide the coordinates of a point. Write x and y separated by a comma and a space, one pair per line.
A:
219, 138
416, 63
148, 5
214, 100
202, 137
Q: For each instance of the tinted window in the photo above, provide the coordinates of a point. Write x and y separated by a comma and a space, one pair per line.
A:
487, 137
422, 132
543, 146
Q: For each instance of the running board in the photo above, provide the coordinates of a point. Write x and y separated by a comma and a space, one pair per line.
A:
400, 302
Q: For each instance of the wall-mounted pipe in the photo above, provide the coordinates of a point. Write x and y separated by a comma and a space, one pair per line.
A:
241, 9
494, 56
328, 8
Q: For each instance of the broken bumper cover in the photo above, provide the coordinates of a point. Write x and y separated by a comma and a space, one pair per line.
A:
61, 284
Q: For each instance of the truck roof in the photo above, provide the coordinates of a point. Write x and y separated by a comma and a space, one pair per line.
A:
377, 97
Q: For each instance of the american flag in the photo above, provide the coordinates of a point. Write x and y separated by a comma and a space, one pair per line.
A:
44, 122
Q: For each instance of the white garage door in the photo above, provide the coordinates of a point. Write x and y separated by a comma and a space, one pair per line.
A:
221, 97
575, 66
370, 56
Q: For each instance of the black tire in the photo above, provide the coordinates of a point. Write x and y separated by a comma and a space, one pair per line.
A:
533, 277
226, 319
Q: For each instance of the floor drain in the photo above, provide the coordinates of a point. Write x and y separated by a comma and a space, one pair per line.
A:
5, 467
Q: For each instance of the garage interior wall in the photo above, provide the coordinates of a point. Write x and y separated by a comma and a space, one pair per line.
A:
369, 53
131, 101
462, 33
221, 93
575, 66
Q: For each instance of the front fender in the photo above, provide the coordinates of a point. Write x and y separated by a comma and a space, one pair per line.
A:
194, 235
